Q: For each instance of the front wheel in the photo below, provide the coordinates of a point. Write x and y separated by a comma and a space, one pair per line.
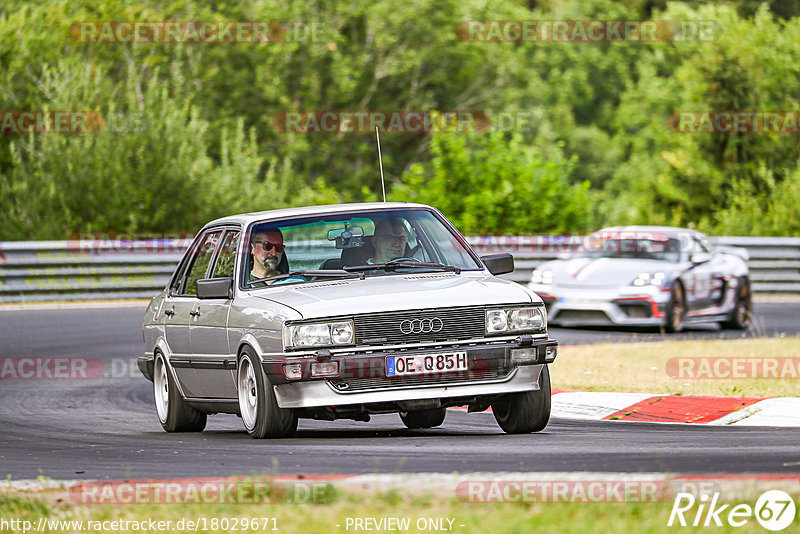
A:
525, 412
676, 309
742, 312
261, 415
424, 418
174, 413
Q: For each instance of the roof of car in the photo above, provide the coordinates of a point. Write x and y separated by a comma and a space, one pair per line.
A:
247, 218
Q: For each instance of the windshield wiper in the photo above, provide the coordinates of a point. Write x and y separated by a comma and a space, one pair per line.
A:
393, 265
319, 273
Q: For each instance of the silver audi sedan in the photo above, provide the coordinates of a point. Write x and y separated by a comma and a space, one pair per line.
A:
341, 312
647, 276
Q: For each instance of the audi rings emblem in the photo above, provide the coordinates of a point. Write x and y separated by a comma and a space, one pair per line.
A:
421, 326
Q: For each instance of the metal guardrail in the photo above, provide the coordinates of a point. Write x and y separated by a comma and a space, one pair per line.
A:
33, 271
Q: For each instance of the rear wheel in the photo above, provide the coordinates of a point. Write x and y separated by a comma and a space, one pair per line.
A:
174, 413
525, 412
424, 418
742, 312
261, 415
676, 309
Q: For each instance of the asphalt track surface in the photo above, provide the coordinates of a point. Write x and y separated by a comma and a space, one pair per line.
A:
107, 429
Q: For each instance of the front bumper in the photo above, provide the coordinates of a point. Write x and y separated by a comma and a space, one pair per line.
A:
493, 369
145, 364
321, 393
598, 307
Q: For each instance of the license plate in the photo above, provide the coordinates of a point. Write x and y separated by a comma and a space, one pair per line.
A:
422, 364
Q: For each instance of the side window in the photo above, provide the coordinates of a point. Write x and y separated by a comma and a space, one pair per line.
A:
699, 246
199, 263
227, 255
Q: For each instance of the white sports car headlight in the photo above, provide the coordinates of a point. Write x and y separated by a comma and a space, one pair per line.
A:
318, 334
649, 279
541, 276
529, 319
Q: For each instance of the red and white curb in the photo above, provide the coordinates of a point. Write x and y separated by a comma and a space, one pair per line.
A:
642, 407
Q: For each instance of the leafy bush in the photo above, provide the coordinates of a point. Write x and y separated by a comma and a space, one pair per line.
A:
487, 184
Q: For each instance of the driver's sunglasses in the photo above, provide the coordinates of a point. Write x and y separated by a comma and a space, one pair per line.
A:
268, 247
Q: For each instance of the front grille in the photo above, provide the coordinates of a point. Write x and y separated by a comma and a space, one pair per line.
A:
592, 316
636, 310
449, 324
361, 384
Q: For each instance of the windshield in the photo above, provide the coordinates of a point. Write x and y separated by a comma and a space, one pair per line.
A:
650, 247
416, 237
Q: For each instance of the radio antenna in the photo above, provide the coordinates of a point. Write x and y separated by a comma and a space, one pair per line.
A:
380, 163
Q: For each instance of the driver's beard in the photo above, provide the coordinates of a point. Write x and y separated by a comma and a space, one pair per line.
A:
269, 264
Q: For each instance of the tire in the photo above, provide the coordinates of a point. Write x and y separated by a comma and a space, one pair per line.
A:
742, 312
676, 309
424, 418
174, 413
525, 412
261, 415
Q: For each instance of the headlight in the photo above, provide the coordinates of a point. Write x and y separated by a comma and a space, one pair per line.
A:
541, 277
318, 334
649, 279
509, 320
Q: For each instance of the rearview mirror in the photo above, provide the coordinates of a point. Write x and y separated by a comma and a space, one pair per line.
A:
214, 288
499, 263
700, 257
347, 237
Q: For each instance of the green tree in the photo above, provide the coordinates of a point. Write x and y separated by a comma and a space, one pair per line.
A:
488, 184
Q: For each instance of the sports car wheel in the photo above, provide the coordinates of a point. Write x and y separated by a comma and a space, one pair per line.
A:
676, 309
742, 312
525, 412
261, 415
424, 418
175, 414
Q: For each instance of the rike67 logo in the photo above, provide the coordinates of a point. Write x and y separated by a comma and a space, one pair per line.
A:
774, 510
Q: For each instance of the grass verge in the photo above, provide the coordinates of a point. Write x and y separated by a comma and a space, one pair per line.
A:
646, 367
452, 516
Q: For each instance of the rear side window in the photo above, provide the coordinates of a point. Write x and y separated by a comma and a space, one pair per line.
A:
198, 263
223, 266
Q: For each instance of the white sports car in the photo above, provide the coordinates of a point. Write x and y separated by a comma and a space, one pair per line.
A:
647, 276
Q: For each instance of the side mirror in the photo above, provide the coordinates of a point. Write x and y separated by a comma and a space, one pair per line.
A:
499, 263
214, 288
700, 257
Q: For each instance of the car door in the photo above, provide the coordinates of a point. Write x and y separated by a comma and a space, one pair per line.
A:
702, 275
180, 305
211, 359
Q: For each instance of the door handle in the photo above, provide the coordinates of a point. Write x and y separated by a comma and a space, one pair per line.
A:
169, 312
195, 313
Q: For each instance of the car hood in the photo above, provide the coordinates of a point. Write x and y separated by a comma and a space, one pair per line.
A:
602, 272
393, 293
